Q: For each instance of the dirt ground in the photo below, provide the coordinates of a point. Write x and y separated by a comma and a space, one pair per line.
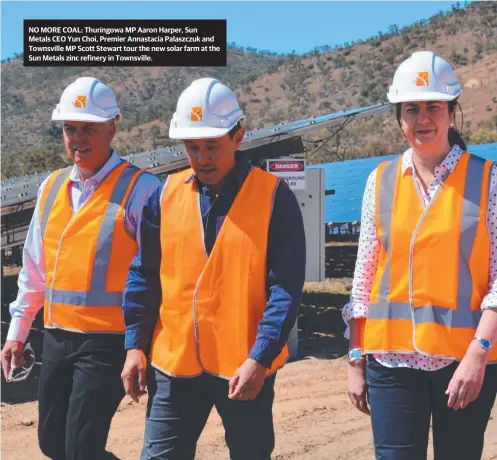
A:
313, 421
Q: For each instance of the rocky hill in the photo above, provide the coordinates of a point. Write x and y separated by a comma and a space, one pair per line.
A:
272, 88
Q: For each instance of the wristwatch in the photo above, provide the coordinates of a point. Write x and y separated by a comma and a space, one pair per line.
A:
484, 343
355, 354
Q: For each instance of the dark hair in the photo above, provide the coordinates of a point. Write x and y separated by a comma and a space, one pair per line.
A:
454, 136
233, 130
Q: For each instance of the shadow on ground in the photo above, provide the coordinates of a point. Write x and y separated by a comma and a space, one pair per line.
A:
321, 326
320, 323
340, 261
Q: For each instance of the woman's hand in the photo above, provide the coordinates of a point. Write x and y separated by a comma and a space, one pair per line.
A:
357, 386
467, 381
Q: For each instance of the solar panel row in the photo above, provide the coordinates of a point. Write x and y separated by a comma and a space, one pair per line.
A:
346, 181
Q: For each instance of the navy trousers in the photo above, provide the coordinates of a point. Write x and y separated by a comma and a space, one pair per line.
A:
178, 409
404, 400
79, 393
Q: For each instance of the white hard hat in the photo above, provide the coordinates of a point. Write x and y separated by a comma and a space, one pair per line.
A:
205, 109
424, 77
87, 99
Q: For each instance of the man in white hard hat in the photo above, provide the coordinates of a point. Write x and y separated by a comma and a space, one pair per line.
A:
81, 240
218, 300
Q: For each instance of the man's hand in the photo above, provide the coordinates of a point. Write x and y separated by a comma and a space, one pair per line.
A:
357, 386
133, 374
247, 381
11, 356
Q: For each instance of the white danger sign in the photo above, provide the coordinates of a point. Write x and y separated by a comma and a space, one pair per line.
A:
292, 171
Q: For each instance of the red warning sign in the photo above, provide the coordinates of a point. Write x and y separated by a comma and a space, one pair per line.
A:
292, 171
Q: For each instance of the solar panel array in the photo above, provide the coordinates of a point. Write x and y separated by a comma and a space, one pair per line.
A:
346, 181
21, 189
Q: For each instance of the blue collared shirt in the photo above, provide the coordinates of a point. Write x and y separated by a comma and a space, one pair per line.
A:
285, 264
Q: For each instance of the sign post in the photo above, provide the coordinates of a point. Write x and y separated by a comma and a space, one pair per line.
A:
310, 195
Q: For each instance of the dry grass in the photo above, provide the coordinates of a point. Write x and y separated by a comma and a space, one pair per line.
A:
340, 244
329, 286
11, 270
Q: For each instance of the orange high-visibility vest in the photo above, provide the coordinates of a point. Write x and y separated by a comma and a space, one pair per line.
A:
212, 305
433, 268
87, 253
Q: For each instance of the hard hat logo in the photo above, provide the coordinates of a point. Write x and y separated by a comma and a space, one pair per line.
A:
422, 79
196, 114
80, 102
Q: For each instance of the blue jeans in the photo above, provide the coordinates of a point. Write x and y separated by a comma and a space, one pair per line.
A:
404, 400
178, 409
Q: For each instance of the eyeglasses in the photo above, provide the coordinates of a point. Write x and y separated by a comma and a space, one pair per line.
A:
21, 373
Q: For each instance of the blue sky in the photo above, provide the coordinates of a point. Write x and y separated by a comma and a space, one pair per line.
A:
280, 26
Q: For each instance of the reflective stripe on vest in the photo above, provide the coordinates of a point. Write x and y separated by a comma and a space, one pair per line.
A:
111, 228
406, 318
60, 178
212, 305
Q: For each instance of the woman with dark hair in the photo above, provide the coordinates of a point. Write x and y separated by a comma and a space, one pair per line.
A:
423, 309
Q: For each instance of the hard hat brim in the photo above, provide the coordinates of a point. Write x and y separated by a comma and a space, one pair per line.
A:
422, 97
74, 116
202, 132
